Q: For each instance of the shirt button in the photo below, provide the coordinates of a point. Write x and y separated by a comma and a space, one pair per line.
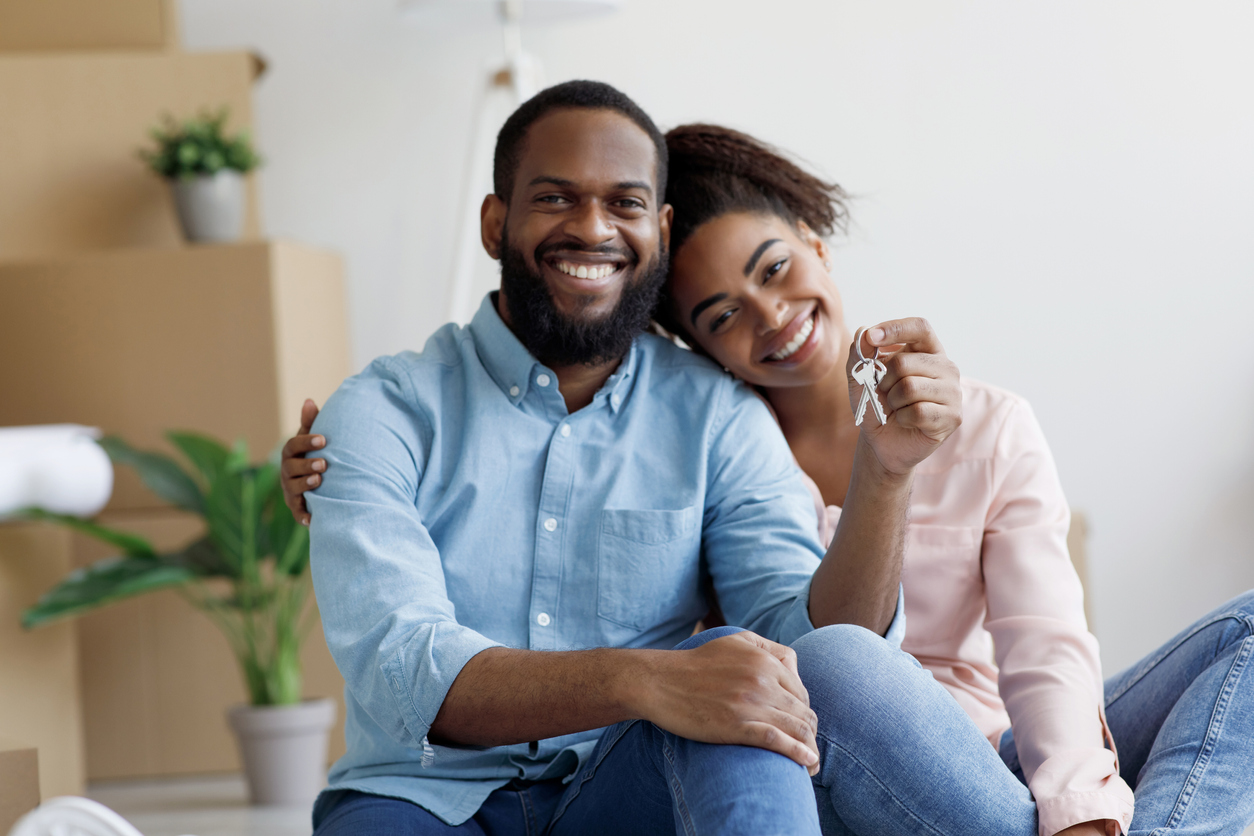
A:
543, 619
513, 391
565, 430
550, 524
543, 380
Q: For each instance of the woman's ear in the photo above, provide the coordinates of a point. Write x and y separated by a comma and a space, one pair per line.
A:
816, 242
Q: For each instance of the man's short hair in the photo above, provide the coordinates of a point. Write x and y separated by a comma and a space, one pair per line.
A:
588, 95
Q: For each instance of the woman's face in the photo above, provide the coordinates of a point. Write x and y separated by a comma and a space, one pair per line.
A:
753, 291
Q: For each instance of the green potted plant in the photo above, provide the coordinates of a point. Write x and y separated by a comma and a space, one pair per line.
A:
206, 171
248, 573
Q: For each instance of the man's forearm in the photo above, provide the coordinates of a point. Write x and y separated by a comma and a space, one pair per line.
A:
504, 696
858, 581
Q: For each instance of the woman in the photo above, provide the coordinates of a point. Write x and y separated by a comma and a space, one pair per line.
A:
986, 559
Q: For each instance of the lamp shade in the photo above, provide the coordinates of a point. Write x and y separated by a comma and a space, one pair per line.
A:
481, 13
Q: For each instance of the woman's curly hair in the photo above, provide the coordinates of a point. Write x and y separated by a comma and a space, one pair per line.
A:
716, 170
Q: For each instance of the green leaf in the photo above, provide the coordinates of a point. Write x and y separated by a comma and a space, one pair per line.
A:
132, 544
202, 557
224, 512
208, 454
101, 583
159, 472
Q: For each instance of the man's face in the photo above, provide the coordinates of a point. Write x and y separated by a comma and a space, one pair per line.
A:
582, 239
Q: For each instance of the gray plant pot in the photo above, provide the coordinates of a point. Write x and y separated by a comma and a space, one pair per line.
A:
284, 748
210, 207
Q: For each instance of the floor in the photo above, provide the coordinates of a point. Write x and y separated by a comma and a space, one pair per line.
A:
214, 806
209, 806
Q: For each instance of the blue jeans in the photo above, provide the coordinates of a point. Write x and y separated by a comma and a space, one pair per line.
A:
898, 757
1183, 720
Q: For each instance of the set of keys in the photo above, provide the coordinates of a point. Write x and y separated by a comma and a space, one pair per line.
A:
869, 372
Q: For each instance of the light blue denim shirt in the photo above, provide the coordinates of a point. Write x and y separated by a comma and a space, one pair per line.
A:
465, 508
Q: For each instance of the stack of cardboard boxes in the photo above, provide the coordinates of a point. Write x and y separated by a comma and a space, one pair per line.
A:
108, 319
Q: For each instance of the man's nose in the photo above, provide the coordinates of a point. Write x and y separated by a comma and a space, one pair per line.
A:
590, 223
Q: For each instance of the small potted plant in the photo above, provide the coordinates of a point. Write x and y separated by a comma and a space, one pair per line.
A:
206, 172
248, 573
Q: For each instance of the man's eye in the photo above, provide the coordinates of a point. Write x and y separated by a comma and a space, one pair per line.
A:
773, 269
719, 320
550, 198
631, 203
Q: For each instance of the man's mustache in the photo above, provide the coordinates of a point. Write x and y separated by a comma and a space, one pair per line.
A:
626, 255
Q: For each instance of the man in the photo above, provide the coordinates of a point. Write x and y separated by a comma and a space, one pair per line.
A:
519, 521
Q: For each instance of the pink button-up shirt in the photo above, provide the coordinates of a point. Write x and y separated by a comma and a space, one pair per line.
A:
994, 608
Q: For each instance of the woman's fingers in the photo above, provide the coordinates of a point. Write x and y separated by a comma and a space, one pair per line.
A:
308, 412
915, 332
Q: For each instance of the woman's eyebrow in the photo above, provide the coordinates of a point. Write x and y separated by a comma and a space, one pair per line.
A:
753, 259
705, 303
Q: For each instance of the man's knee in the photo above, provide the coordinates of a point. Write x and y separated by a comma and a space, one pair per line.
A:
846, 665
707, 636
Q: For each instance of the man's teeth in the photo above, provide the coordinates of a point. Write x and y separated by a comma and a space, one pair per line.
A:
584, 271
796, 342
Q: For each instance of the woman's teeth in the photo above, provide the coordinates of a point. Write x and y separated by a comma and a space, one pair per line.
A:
584, 271
796, 342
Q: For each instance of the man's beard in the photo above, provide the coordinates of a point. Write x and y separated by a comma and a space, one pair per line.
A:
557, 339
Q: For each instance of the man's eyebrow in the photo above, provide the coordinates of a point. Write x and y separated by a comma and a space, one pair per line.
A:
628, 185
705, 303
753, 259
554, 181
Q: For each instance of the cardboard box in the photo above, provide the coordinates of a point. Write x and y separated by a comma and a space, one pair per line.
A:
158, 676
87, 24
227, 340
39, 684
70, 177
19, 782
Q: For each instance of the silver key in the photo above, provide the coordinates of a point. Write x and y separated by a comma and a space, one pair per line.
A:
869, 372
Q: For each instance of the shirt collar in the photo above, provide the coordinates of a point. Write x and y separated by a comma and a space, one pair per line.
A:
510, 364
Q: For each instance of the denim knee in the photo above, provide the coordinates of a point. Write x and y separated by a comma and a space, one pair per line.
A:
840, 660
707, 636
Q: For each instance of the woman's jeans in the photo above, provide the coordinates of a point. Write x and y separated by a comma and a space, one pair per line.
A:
1183, 722
898, 756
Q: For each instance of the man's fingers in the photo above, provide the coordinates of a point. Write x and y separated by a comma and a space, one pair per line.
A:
914, 331
770, 736
789, 677
308, 412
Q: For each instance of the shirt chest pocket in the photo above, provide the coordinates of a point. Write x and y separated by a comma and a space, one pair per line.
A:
648, 565
944, 585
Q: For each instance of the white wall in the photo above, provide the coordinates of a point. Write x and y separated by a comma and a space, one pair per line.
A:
1065, 189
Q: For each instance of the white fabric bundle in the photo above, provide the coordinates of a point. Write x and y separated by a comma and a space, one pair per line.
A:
56, 467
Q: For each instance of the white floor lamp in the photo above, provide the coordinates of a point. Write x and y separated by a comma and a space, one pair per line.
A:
519, 78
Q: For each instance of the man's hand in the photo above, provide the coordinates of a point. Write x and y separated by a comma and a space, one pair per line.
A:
299, 473
740, 689
920, 393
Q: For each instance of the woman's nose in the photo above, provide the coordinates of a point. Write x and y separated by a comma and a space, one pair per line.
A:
772, 314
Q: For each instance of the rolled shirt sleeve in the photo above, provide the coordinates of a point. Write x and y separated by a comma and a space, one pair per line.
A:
1050, 674
377, 574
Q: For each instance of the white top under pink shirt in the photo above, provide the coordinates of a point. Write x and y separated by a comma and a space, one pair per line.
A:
987, 577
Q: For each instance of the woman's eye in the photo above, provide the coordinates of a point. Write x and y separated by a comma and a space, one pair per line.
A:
772, 270
719, 320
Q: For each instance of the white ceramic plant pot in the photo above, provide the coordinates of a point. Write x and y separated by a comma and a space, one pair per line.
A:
210, 207
284, 748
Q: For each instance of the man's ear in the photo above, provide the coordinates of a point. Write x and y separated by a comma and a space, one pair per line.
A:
492, 224
815, 241
664, 215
